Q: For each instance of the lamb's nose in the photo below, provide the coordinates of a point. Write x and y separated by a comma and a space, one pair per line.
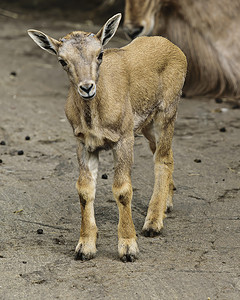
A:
86, 87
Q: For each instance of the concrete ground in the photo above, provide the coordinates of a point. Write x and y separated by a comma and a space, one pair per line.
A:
198, 254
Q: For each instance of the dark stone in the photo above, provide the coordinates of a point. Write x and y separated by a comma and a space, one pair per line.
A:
40, 231
20, 152
223, 129
197, 160
218, 100
236, 106
104, 176
13, 73
3, 143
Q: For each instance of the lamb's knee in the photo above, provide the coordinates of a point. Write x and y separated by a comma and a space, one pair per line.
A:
164, 157
123, 193
86, 192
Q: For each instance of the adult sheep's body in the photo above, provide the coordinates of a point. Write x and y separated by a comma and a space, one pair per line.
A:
207, 31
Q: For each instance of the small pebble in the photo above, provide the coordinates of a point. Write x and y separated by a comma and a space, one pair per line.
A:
236, 106
3, 143
224, 109
13, 73
58, 241
40, 231
223, 129
218, 100
20, 152
27, 138
104, 176
197, 160
1, 161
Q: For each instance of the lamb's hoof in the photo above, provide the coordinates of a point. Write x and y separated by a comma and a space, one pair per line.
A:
151, 232
85, 253
128, 258
128, 250
83, 257
152, 229
169, 209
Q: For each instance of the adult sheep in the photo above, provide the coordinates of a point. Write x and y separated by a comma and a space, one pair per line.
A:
208, 32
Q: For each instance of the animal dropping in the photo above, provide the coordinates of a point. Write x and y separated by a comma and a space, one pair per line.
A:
113, 94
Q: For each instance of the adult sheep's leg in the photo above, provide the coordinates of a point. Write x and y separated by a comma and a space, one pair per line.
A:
86, 187
122, 190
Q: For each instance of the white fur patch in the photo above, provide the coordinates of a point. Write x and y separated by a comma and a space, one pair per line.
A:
91, 160
93, 166
138, 120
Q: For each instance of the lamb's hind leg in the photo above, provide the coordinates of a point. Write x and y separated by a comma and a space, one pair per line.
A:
88, 165
163, 167
149, 133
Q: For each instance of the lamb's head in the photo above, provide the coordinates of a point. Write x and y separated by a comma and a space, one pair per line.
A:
80, 54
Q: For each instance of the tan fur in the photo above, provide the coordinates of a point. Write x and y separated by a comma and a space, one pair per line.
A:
208, 32
137, 90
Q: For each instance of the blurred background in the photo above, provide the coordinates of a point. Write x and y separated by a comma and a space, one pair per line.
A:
73, 10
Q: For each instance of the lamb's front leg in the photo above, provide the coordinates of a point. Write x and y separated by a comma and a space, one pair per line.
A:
122, 190
86, 187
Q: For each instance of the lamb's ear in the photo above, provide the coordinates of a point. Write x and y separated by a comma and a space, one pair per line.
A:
44, 41
109, 29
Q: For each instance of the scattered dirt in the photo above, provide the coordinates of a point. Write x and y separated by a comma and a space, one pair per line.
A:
198, 254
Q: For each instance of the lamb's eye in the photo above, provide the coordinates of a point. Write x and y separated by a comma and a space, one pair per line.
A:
62, 62
100, 56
